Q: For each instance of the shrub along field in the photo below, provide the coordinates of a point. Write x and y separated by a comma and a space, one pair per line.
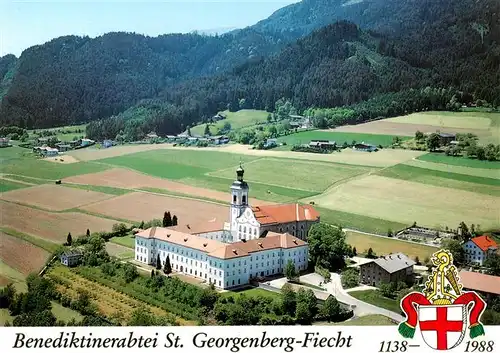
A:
239, 119
339, 137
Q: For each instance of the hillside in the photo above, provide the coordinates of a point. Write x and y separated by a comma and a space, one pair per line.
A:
336, 65
7, 69
70, 80
78, 79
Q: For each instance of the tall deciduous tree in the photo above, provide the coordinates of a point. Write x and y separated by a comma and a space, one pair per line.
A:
330, 309
327, 246
289, 299
433, 141
290, 271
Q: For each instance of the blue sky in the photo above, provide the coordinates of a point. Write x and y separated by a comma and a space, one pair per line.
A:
27, 23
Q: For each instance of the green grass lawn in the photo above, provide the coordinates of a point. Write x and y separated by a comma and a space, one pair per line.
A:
7, 185
339, 137
21, 161
239, 119
128, 241
460, 161
488, 186
384, 245
368, 320
65, 314
252, 292
259, 191
14, 276
374, 297
359, 222
104, 189
193, 166
295, 174
176, 164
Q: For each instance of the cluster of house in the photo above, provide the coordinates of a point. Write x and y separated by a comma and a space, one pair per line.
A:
48, 151
426, 235
332, 145
4, 142
398, 267
256, 242
185, 138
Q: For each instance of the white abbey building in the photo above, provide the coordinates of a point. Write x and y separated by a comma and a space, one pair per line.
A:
256, 242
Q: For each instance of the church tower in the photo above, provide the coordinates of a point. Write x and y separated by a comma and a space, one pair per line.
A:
239, 198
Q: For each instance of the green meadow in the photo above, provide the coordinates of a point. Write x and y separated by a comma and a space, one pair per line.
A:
21, 161
238, 120
7, 185
340, 137
458, 161
488, 186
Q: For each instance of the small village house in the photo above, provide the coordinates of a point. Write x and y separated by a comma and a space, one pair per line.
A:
86, 142
4, 142
325, 144
270, 143
63, 147
445, 138
478, 249
219, 140
75, 143
107, 143
485, 285
390, 268
365, 147
71, 258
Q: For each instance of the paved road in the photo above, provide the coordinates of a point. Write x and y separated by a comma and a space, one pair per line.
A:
335, 288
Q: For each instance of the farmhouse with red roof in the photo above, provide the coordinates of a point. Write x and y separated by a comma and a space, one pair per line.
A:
479, 248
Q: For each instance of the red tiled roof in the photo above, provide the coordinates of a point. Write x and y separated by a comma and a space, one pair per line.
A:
484, 242
221, 250
198, 228
480, 282
270, 214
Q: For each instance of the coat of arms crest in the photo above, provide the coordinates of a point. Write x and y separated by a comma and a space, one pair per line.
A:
443, 311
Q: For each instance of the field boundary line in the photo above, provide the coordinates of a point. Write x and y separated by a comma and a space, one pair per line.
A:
31, 238
17, 182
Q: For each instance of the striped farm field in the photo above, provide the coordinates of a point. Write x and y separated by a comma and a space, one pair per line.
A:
297, 174
54, 197
459, 161
21, 255
139, 206
458, 169
407, 202
108, 301
50, 225
487, 186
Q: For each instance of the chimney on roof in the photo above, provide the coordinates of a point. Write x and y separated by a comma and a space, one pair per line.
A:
260, 244
295, 241
235, 252
188, 227
205, 245
399, 256
186, 239
168, 235
243, 240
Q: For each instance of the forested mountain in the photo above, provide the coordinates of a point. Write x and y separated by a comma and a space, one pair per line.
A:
7, 69
406, 43
77, 79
